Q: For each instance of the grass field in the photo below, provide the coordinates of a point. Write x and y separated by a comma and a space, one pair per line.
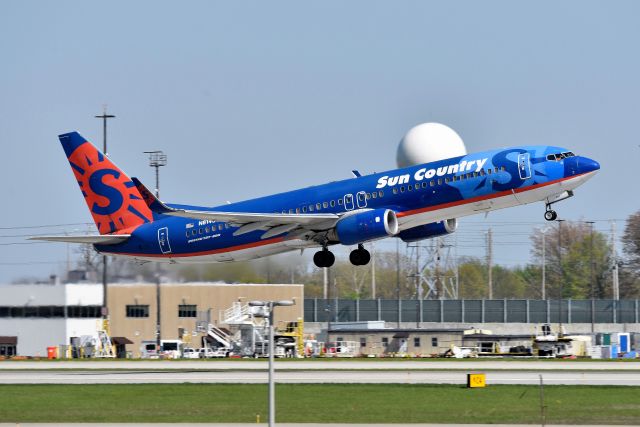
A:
319, 403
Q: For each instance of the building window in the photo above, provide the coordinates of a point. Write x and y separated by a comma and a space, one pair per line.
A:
385, 342
137, 310
434, 341
363, 342
416, 341
187, 310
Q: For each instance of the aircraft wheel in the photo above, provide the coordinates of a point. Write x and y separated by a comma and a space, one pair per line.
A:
550, 215
324, 258
360, 256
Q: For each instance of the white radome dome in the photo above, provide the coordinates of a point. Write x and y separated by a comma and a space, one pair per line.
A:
429, 142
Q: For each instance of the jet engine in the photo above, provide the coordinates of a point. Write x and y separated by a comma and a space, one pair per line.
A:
428, 231
368, 225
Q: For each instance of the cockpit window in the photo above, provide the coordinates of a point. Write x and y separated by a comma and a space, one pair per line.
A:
559, 156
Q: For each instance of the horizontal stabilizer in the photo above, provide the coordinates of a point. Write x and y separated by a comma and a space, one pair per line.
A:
96, 239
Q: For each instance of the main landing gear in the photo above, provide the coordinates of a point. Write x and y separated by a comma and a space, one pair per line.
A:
550, 214
360, 256
324, 258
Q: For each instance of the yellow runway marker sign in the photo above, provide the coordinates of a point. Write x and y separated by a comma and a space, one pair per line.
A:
476, 380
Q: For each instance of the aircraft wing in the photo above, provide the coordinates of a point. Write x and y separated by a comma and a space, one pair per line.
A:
272, 223
98, 239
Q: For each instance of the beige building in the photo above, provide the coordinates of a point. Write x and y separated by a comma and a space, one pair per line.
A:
132, 308
388, 342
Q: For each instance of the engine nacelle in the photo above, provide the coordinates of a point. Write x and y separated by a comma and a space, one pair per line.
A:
427, 231
364, 226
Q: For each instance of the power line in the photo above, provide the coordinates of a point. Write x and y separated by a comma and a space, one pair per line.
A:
45, 226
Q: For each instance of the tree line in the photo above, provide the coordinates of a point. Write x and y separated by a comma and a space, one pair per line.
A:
575, 259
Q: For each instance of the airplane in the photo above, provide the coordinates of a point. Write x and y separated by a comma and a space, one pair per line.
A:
411, 203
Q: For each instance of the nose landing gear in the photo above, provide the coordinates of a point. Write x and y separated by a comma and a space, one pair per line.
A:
360, 256
550, 214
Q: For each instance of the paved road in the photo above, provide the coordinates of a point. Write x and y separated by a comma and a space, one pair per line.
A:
279, 424
631, 378
312, 365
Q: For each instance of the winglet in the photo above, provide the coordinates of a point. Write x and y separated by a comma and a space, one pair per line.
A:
150, 199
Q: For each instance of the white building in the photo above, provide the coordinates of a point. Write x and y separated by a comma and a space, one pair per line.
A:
34, 317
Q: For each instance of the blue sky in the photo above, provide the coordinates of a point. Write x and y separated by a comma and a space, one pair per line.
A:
251, 98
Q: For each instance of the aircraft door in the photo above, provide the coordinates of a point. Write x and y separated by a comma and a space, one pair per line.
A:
163, 240
361, 199
524, 165
348, 202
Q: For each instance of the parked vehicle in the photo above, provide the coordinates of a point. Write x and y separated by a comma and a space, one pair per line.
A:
190, 353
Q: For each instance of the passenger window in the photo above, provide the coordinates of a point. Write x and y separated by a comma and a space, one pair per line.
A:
318, 206
187, 233
368, 196
220, 227
482, 172
502, 168
489, 171
340, 201
380, 193
297, 210
446, 179
424, 184
374, 195
290, 211
206, 229
304, 209
226, 226
475, 174
410, 187
325, 205
402, 189
417, 186
333, 203
439, 181
395, 190
431, 183
496, 169
310, 208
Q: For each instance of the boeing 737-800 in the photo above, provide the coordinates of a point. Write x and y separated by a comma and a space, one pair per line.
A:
412, 203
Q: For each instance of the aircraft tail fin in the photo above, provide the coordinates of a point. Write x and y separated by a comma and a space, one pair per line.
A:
112, 198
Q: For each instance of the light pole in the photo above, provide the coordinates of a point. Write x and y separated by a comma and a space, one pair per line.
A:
157, 159
272, 392
105, 309
544, 263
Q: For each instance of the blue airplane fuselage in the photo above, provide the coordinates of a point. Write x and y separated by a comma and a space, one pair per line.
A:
419, 195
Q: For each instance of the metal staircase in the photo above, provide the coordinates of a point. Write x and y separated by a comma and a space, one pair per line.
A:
104, 348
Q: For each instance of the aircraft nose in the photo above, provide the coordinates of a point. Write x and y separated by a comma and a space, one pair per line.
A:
586, 164
578, 165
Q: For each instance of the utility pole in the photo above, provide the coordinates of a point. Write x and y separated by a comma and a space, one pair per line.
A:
490, 262
560, 221
157, 159
591, 288
398, 277
544, 264
373, 271
325, 282
614, 258
104, 117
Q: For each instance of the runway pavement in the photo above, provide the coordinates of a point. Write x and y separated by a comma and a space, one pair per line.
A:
335, 364
316, 376
254, 372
